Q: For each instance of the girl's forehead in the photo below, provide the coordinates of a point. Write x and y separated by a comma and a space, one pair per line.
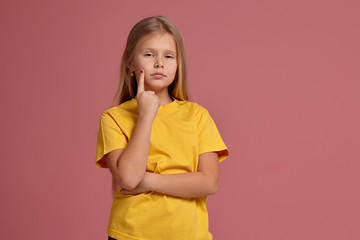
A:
158, 40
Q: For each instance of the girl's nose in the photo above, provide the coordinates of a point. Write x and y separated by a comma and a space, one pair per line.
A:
159, 63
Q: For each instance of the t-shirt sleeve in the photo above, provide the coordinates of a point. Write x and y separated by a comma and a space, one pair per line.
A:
110, 137
209, 136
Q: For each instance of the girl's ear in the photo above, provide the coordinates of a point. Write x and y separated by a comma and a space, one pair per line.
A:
130, 65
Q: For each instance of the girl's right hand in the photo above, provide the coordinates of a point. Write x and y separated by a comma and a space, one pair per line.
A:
147, 101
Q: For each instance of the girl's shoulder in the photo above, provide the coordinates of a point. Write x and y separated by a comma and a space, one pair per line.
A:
126, 108
129, 105
192, 106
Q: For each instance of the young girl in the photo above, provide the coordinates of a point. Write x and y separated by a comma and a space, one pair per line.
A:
162, 150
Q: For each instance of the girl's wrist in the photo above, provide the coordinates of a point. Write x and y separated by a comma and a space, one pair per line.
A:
145, 118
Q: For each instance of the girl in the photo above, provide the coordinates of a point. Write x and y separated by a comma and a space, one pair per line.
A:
162, 150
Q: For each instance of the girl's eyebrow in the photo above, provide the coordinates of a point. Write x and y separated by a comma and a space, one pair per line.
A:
155, 49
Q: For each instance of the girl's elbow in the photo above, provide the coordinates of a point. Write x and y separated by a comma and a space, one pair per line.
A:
214, 190
213, 187
128, 183
128, 186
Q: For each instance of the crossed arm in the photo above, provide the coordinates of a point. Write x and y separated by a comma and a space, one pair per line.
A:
193, 184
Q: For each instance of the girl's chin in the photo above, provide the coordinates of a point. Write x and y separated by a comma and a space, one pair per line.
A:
156, 85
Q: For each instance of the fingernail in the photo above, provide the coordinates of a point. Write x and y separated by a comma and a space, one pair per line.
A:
141, 71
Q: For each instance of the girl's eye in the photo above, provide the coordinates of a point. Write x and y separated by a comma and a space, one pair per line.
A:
148, 54
170, 56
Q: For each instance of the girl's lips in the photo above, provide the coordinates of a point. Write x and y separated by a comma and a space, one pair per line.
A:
158, 75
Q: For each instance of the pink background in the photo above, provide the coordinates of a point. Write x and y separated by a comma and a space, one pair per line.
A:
280, 78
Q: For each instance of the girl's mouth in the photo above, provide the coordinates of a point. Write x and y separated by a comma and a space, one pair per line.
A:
158, 75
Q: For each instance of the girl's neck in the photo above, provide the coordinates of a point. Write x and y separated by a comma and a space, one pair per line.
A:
164, 97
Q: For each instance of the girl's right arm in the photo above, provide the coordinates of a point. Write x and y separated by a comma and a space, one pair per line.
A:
128, 165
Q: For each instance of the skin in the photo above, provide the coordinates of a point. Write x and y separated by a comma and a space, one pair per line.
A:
156, 53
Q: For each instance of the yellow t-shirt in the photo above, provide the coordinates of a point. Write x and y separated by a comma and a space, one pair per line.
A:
181, 131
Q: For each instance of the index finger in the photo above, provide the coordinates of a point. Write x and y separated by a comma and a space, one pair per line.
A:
141, 82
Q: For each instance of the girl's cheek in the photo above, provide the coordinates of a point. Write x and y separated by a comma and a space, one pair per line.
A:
140, 67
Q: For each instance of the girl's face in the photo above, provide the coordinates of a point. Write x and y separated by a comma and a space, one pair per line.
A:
156, 55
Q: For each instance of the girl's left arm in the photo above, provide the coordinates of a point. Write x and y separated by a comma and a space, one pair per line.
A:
193, 184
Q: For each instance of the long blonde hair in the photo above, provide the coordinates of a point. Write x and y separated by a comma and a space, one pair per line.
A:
128, 85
